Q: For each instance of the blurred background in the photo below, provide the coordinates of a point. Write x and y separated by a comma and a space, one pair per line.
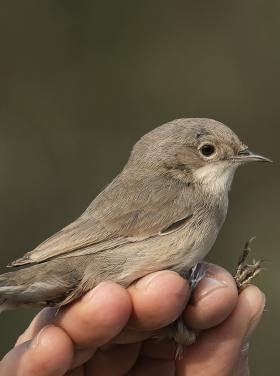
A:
81, 81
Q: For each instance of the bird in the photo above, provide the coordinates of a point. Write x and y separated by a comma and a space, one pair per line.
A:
164, 210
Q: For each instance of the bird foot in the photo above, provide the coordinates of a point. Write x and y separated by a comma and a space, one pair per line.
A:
247, 272
179, 333
182, 336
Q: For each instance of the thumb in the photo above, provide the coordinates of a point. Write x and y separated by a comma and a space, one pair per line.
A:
219, 350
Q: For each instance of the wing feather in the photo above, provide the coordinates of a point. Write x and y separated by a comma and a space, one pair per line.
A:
127, 210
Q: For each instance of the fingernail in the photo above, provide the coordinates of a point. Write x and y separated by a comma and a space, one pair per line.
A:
92, 294
206, 287
148, 280
38, 339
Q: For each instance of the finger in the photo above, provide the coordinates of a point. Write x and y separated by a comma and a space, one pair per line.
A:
90, 322
213, 299
45, 317
97, 317
117, 360
218, 349
211, 303
108, 301
48, 354
158, 299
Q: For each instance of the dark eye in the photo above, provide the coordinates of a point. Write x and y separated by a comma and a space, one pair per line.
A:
207, 150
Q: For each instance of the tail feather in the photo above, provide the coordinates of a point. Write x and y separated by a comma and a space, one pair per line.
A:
6, 307
39, 285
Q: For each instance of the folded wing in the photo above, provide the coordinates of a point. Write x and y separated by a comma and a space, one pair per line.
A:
126, 211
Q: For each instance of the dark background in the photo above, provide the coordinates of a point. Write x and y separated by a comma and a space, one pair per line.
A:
81, 81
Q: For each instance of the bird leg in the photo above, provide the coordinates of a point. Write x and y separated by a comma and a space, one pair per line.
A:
182, 336
245, 272
180, 333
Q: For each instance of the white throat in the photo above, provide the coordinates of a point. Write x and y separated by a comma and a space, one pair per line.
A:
216, 177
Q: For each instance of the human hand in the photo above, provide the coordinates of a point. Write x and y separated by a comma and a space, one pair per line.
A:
76, 341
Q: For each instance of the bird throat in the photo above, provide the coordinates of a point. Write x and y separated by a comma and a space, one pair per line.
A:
215, 178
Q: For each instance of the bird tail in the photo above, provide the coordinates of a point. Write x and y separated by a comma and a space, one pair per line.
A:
45, 284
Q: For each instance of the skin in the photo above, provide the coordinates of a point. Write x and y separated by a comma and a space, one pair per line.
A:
75, 341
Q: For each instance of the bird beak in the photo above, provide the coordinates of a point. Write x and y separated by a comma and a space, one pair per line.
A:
246, 155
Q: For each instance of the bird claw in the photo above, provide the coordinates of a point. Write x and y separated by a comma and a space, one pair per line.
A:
247, 272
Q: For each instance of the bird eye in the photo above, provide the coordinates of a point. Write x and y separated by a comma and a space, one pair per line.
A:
207, 150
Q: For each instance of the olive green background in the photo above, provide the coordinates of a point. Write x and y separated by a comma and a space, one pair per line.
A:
81, 81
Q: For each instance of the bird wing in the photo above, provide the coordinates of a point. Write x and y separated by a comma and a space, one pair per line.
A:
124, 212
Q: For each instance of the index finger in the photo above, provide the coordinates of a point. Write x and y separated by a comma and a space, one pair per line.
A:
90, 321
